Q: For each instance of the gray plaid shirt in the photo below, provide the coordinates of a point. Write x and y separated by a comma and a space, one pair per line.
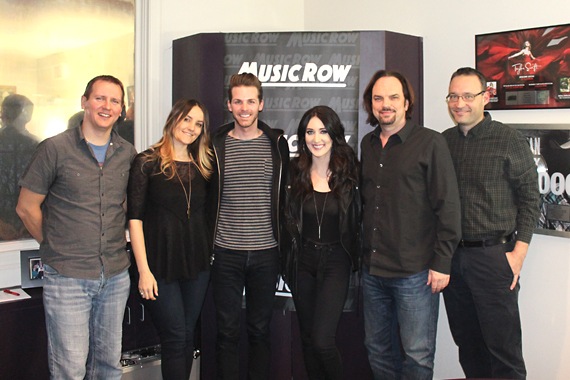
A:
498, 181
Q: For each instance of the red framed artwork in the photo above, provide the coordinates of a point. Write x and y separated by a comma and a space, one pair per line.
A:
527, 68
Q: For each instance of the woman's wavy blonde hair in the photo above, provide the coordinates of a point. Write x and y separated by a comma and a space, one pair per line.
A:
200, 150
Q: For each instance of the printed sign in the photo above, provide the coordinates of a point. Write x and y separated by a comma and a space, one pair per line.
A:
298, 71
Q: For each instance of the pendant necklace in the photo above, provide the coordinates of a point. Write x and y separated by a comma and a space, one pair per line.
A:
189, 193
320, 222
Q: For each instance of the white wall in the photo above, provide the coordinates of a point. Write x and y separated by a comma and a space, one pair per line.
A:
448, 28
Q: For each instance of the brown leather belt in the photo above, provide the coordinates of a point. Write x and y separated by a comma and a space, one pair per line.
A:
486, 242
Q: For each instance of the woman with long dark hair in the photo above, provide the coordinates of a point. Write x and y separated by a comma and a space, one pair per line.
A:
170, 237
321, 243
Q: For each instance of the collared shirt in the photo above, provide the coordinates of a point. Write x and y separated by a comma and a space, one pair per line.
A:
83, 216
411, 203
498, 181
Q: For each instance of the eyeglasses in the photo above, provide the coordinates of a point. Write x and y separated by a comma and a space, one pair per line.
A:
467, 98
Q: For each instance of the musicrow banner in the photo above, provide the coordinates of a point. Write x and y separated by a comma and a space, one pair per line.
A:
298, 71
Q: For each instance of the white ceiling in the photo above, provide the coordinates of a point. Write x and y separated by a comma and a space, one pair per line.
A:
38, 28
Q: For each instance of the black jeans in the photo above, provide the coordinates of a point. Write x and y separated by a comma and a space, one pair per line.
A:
322, 285
257, 271
175, 313
483, 313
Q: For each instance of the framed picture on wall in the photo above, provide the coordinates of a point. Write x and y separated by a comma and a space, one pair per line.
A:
527, 68
550, 146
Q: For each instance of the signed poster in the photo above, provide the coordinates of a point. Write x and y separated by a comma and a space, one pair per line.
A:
527, 68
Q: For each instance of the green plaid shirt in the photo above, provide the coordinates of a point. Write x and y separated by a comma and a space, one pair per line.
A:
498, 181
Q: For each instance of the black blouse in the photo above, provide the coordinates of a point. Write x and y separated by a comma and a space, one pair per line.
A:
330, 223
177, 247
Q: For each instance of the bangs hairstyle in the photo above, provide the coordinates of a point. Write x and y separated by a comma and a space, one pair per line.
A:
247, 80
105, 78
343, 164
406, 90
200, 150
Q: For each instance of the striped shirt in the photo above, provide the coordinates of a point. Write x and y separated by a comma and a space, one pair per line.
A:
244, 221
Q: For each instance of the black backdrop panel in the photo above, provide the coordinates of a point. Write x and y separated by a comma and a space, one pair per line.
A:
323, 68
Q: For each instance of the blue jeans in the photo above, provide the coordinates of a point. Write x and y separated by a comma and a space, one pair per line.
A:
483, 313
84, 321
257, 271
400, 321
175, 313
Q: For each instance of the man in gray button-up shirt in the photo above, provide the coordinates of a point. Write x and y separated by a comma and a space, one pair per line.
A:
72, 202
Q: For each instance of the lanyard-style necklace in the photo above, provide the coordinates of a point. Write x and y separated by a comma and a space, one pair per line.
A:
188, 193
320, 222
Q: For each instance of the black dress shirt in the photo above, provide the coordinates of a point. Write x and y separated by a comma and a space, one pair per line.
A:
498, 181
411, 203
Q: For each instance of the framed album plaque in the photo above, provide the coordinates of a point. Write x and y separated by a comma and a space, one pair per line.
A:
527, 68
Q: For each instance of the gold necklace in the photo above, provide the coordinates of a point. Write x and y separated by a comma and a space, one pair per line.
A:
189, 193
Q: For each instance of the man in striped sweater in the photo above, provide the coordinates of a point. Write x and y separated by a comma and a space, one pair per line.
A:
251, 160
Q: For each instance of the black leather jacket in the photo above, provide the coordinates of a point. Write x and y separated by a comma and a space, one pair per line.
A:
350, 222
280, 155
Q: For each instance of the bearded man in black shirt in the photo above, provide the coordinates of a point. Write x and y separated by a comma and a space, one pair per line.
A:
411, 227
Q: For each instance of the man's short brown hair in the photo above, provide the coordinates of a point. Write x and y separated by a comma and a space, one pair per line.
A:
105, 78
248, 80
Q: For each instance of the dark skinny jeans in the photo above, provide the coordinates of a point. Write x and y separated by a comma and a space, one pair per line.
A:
321, 288
175, 313
257, 272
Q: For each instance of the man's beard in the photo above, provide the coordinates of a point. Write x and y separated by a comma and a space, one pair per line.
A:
390, 121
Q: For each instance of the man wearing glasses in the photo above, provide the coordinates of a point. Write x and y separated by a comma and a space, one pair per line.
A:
498, 185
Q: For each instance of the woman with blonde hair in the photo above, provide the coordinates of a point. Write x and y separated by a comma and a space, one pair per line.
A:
171, 236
